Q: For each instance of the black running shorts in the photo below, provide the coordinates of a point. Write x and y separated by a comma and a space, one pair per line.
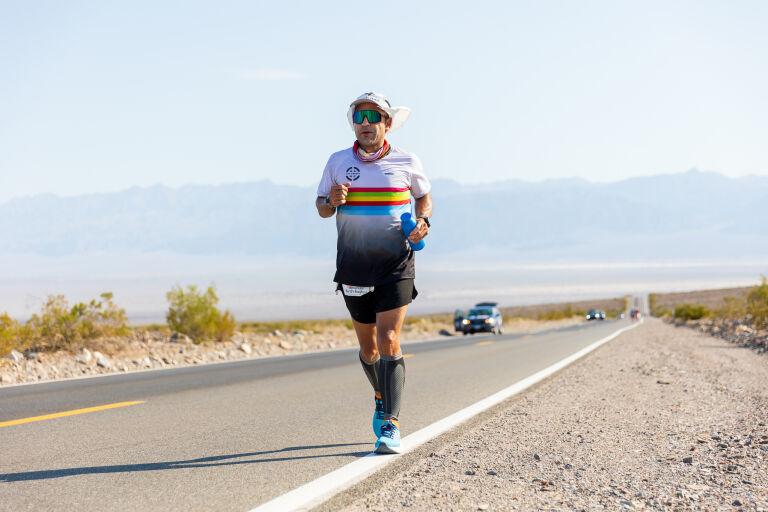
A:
383, 298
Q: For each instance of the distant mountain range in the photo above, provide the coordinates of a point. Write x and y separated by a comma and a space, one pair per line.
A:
688, 215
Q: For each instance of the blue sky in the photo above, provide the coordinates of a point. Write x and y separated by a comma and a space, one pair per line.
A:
101, 96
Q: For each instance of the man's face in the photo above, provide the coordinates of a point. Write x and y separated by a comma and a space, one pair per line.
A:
371, 136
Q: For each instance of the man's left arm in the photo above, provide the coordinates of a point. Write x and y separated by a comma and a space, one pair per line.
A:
423, 208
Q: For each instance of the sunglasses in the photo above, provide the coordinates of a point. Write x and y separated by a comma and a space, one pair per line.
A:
374, 116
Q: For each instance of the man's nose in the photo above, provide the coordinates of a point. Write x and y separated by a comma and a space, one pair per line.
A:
365, 121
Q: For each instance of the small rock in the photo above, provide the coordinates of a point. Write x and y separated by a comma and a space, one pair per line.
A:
98, 355
736, 503
470, 472
103, 362
245, 347
731, 468
688, 460
492, 473
85, 357
35, 356
177, 337
285, 345
483, 506
15, 356
6, 379
536, 456
568, 466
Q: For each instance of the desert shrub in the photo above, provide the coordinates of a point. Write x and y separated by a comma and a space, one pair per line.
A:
691, 312
731, 307
194, 313
59, 326
12, 335
757, 304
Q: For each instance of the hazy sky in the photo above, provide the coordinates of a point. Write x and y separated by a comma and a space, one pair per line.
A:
99, 96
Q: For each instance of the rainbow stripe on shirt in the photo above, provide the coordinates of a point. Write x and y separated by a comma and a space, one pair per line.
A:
376, 201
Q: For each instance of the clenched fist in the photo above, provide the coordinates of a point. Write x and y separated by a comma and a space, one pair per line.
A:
338, 194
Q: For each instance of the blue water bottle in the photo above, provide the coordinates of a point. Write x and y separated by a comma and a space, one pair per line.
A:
408, 224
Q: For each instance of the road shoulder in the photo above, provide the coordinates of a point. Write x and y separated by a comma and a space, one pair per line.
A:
661, 417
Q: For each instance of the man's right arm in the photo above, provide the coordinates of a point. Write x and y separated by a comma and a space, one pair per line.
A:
338, 196
324, 209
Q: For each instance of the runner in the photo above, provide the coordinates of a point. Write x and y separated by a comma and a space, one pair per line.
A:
368, 187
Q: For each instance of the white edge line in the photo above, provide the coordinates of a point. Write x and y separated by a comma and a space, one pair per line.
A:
317, 491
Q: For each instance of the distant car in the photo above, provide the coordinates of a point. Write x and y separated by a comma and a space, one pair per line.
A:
484, 317
595, 314
458, 317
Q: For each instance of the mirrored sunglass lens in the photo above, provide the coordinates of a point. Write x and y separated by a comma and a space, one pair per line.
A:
373, 116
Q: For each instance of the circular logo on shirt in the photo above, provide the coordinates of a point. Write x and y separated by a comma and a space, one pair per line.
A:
353, 173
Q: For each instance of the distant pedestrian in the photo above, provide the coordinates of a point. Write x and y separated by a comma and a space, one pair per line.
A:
368, 186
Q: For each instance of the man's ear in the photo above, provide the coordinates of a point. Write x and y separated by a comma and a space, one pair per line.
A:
388, 124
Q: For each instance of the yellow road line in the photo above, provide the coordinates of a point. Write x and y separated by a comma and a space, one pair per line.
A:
67, 413
406, 356
481, 343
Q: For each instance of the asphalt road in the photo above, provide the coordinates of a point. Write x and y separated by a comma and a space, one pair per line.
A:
231, 436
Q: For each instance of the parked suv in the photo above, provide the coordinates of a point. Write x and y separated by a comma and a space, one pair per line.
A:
484, 317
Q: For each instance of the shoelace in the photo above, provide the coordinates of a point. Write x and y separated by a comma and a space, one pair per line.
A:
379, 409
388, 430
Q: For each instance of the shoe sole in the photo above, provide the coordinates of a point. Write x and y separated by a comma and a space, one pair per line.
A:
386, 449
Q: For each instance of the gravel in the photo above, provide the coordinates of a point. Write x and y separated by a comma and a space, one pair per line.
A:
660, 418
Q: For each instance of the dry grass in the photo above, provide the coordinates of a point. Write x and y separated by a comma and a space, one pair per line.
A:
665, 303
612, 307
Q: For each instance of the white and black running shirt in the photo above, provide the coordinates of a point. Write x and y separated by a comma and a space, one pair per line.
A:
371, 247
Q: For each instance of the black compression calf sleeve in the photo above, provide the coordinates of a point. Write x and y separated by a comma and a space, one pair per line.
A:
372, 372
391, 382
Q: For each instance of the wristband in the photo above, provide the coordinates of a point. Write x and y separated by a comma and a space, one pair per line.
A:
426, 220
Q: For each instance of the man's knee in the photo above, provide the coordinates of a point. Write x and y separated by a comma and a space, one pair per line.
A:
388, 336
369, 354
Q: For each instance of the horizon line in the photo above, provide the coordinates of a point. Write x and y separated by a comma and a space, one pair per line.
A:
270, 181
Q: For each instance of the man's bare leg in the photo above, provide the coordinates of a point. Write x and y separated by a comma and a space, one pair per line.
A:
388, 325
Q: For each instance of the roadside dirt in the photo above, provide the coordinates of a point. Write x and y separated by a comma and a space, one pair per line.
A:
147, 350
661, 418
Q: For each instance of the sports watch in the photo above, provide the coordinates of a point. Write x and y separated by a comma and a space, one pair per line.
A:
426, 220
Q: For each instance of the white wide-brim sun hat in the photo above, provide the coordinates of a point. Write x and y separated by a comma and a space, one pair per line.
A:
399, 115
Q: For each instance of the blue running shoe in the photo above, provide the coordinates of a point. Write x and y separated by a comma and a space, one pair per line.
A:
389, 441
378, 416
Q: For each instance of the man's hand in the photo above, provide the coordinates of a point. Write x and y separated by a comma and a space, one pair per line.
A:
420, 231
422, 207
339, 194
